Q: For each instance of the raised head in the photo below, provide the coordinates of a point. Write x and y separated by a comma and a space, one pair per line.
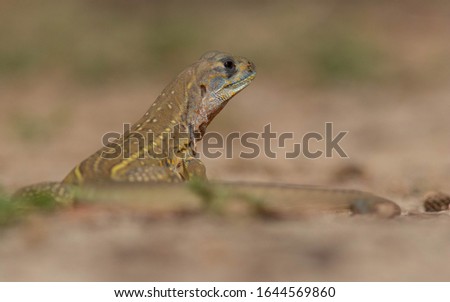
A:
198, 94
214, 80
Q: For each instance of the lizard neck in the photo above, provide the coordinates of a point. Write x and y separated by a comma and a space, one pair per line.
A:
166, 121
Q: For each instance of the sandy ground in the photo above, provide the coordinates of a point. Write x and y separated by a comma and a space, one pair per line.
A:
397, 146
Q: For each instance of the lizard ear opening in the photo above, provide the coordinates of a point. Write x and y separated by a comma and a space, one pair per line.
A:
202, 90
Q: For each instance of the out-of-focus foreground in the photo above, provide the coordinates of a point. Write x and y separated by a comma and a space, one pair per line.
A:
73, 70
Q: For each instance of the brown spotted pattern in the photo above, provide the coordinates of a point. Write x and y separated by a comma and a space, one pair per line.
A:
187, 105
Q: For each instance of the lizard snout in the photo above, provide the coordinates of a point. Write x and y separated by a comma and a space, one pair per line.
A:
251, 67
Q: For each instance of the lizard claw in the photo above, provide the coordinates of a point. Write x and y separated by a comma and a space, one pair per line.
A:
381, 208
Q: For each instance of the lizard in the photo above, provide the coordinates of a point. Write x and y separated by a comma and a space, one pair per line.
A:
177, 120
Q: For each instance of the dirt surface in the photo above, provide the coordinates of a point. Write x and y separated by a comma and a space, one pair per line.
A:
113, 247
397, 148
397, 145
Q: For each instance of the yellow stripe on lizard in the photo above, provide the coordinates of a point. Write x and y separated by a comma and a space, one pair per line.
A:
191, 101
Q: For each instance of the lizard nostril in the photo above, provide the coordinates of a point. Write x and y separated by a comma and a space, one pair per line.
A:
202, 90
251, 67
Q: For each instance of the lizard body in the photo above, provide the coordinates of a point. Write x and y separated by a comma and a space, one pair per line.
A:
175, 121
184, 110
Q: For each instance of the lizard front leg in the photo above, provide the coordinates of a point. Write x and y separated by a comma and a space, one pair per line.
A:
194, 169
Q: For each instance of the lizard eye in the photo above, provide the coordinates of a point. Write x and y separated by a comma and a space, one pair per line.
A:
229, 65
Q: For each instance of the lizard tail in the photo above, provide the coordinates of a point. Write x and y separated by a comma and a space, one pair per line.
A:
303, 198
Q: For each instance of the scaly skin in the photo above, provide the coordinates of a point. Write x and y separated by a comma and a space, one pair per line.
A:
436, 202
184, 110
188, 104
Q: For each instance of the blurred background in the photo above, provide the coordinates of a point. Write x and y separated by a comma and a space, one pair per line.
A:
72, 70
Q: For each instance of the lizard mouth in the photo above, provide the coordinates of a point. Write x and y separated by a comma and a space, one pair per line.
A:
228, 91
241, 84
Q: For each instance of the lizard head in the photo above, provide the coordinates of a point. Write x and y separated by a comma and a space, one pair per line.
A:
218, 77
